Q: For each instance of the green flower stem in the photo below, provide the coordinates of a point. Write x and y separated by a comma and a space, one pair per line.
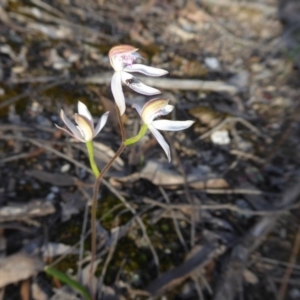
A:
90, 149
136, 138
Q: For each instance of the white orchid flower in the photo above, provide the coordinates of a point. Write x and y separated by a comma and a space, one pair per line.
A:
122, 58
160, 107
84, 131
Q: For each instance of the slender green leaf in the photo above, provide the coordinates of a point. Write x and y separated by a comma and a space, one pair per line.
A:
69, 281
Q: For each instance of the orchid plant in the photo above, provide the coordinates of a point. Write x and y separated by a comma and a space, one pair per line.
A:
122, 59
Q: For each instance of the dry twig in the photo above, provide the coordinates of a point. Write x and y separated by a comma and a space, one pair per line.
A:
289, 269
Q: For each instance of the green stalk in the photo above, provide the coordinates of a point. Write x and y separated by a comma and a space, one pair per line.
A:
90, 149
136, 138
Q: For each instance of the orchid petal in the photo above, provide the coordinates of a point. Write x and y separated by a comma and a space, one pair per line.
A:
149, 71
79, 138
172, 125
166, 110
87, 130
83, 111
137, 85
101, 123
138, 108
160, 139
116, 88
145, 89
155, 108
71, 126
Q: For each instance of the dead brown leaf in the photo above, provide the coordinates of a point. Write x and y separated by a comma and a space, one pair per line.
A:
19, 267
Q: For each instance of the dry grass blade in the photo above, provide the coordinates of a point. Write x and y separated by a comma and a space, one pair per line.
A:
174, 277
289, 269
48, 7
176, 225
35, 208
112, 248
30, 92
170, 83
228, 288
6, 20
57, 179
230, 207
139, 221
235, 120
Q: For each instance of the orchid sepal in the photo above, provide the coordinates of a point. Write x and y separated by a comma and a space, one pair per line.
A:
116, 88
160, 107
161, 140
172, 125
146, 70
84, 131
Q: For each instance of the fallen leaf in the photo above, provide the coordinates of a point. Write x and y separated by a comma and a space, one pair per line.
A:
19, 267
52, 178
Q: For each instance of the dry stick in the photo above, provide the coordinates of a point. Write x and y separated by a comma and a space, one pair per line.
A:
29, 92
169, 83
189, 199
227, 288
176, 225
273, 287
82, 239
59, 259
221, 207
94, 209
247, 156
48, 7
270, 261
139, 221
288, 272
197, 287
108, 259
234, 120
4, 18
284, 136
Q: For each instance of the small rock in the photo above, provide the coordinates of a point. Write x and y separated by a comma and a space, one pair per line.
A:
54, 189
240, 80
295, 294
220, 137
257, 68
50, 197
212, 63
65, 168
250, 277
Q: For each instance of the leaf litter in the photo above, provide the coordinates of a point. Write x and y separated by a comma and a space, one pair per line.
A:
222, 220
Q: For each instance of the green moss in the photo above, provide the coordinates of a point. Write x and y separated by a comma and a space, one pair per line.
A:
68, 263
